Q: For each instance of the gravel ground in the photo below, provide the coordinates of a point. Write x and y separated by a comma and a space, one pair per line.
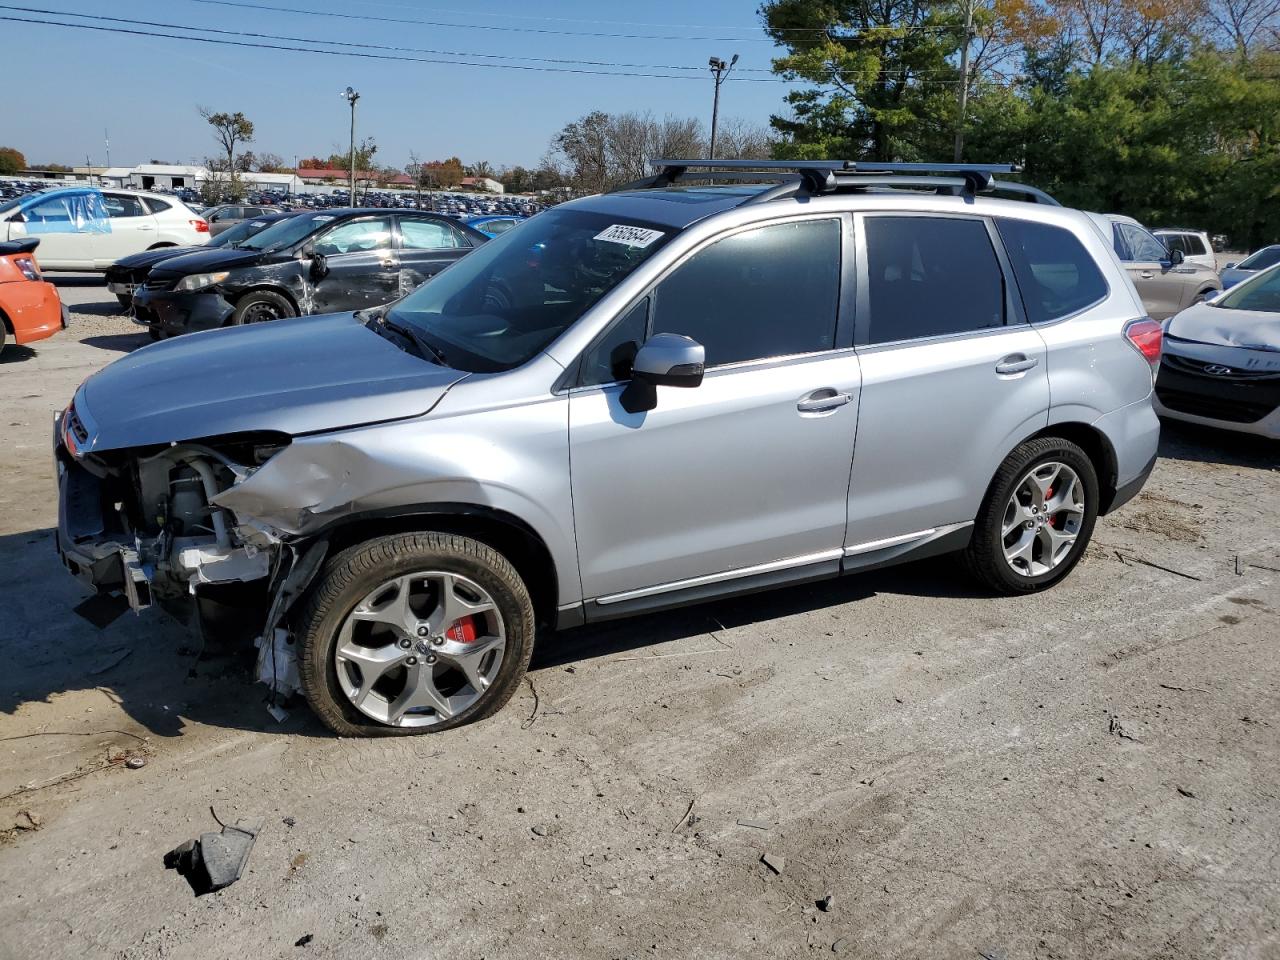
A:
1089, 772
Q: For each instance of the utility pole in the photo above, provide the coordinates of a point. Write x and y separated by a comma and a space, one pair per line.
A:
352, 97
963, 104
106, 137
719, 70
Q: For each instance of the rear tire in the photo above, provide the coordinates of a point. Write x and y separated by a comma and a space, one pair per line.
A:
1018, 545
126, 301
326, 626
259, 306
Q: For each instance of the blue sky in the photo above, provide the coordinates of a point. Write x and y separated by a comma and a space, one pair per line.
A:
144, 90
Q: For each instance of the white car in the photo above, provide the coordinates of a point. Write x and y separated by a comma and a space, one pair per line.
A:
84, 228
1195, 245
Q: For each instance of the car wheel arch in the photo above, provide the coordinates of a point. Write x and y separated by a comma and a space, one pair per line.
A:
1092, 441
161, 246
508, 534
270, 288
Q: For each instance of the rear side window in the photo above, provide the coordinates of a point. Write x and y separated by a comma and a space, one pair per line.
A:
1193, 245
930, 277
158, 205
768, 292
428, 235
121, 205
1055, 273
1174, 241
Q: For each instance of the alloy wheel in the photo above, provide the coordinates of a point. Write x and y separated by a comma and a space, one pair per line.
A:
420, 649
1042, 519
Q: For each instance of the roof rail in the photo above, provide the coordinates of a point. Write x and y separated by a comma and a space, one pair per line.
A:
813, 177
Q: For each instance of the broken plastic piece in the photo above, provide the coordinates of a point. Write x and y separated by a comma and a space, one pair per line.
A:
214, 860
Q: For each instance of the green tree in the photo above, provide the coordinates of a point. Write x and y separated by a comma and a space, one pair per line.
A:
11, 161
229, 130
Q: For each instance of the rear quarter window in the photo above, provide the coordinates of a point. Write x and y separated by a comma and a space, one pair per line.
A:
1055, 274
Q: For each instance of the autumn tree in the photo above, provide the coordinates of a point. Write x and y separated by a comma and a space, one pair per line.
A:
229, 130
11, 161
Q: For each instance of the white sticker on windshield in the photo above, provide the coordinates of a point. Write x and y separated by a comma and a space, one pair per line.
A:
324, 219
631, 236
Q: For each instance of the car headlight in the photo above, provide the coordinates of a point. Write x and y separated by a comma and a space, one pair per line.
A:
199, 281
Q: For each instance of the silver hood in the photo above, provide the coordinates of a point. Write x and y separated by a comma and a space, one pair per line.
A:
1206, 323
297, 376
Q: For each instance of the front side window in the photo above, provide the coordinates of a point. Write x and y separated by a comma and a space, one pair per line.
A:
119, 206
610, 357
511, 297
1055, 273
428, 235
768, 292
931, 277
356, 236
1143, 247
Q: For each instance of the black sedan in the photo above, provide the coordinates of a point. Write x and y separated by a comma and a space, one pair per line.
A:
125, 276
321, 262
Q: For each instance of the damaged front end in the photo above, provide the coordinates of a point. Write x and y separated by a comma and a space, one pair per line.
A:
143, 524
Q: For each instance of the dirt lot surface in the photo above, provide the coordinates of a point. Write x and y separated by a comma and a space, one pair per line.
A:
1090, 772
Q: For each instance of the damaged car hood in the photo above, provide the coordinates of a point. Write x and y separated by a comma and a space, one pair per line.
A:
1206, 323
304, 375
208, 260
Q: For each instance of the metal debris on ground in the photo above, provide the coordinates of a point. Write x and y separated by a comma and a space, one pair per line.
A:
774, 862
214, 860
303, 940
1186, 793
755, 824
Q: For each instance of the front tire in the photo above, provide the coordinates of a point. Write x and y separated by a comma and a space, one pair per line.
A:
260, 306
126, 301
413, 633
1037, 518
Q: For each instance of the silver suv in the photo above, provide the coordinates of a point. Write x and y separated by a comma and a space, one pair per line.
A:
657, 396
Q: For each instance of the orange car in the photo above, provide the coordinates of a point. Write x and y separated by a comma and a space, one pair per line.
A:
30, 308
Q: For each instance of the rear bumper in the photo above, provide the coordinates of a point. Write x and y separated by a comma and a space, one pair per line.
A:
34, 309
175, 313
1134, 434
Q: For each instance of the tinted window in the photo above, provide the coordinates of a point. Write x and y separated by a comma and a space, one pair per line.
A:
1174, 241
1266, 257
158, 205
1193, 245
356, 236
768, 292
1143, 247
118, 205
930, 276
428, 235
1056, 275
496, 227
610, 357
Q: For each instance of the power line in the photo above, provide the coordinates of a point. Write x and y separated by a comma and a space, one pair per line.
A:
472, 26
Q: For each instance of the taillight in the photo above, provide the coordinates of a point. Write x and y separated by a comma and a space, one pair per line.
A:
1147, 337
28, 267
201, 226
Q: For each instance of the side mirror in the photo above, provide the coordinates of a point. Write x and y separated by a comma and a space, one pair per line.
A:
665, 360
1230, 266
319, 266
1176, 257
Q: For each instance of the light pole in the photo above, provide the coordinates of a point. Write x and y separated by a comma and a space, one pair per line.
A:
352, 97
719, 70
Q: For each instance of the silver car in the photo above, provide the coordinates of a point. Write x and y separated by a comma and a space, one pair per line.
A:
633, 401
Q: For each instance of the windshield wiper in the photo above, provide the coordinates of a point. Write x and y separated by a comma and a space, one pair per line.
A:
426, 349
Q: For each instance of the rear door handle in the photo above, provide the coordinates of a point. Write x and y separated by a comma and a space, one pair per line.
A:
1015, 363
820, 401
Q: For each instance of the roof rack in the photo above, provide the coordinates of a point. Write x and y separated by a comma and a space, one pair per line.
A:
802, 178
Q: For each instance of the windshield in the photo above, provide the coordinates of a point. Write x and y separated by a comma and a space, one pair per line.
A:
499, 306
1260, 292
1266, 257
287, 232
242, 231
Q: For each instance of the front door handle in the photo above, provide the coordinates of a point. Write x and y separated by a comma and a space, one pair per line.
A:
821, 401
1147, 275
1015, 363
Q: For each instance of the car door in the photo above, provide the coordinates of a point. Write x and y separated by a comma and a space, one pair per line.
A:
224, 218
1146, 260
427, 246
953, 377
359, 267
133, 228
747, 474
66, 242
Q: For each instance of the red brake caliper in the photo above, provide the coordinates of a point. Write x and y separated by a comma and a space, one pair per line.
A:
463, 630
1048, 495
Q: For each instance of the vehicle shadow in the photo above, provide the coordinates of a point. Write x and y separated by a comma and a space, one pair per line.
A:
934, 577
1190, 442
74, 279
155, 670
101, 308
121, 342
16, 353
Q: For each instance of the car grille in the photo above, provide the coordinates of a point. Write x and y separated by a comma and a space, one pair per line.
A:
1197, 368
161, 283
76, 426
1214, 408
